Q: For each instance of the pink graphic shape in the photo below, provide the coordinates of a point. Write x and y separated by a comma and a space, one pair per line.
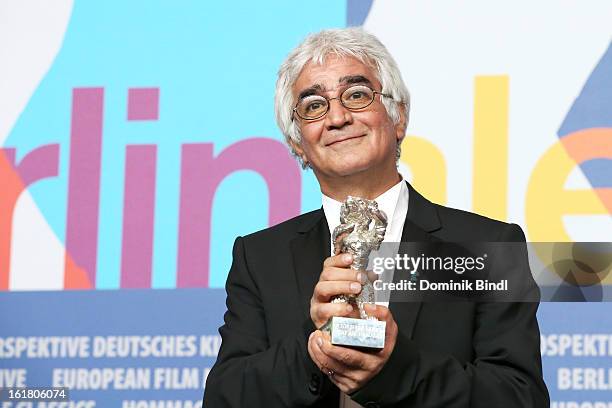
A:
138, 216
143, 104
40, 163
84, 188
201, 174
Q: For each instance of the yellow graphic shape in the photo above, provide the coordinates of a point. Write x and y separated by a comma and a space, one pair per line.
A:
490, 174
427, 166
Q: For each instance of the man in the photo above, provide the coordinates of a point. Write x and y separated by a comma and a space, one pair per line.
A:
343, 108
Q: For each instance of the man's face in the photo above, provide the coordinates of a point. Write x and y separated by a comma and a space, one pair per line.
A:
343, 142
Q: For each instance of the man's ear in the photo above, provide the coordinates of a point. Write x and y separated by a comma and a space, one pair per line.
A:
297, 149
400, 127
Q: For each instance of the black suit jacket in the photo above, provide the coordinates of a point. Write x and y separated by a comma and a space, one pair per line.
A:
463, 354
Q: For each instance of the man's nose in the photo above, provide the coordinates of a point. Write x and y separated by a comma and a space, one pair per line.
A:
337, 116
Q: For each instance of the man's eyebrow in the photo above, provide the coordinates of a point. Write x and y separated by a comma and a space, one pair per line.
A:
345, 80
354, 79
311, 90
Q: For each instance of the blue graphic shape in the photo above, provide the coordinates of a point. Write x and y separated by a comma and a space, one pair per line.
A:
569, 319
192, 313
357, 11
599, 171
209, 60
593, 109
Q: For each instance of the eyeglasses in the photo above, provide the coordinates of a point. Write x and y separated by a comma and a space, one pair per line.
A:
353, 98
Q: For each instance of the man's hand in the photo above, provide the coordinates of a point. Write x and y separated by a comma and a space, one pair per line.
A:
351, 369
335, 279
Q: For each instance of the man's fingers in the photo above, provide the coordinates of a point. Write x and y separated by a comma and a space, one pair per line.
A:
342, 355
383, 313
326, 289
332, 273
315, 353
343, 382
327, 364
379, 312
341, 260
320, 359
310, 347
372, 276
324, 311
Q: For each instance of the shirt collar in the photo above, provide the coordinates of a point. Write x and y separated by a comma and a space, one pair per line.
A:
387, 202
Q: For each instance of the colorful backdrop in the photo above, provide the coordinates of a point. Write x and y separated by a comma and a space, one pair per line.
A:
137, 140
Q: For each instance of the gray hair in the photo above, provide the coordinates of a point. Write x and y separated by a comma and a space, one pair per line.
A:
343, 42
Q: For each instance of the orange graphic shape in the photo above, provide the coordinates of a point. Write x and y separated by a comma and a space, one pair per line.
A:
75, 277
589, 144
11, 187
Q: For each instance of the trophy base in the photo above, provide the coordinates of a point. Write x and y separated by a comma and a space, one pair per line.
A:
358, 333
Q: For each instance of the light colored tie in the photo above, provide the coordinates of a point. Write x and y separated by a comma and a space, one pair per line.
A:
347, 402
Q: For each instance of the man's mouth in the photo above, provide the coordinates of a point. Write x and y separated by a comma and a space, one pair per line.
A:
343, 139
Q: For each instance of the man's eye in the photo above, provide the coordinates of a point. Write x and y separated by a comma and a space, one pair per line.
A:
313, 106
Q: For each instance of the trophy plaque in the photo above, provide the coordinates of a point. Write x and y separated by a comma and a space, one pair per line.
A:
361, 231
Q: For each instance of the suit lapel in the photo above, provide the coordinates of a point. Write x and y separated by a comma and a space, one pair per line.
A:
421, 220
309, 250
421, 212
404, 309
